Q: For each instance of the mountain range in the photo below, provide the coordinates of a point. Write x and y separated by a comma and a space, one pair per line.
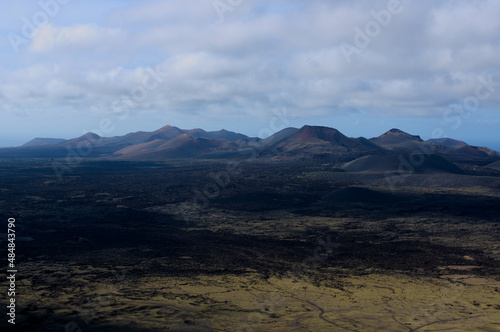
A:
307, 143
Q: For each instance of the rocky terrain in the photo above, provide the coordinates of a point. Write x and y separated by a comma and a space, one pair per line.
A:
186, 245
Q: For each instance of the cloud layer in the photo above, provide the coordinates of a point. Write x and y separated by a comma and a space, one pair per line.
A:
227, 63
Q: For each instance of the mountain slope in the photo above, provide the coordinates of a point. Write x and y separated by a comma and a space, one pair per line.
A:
221, 134
395, 136
456, 149
478, 151
166, 132
494, 165
182, 146
84, 140
314, 142
398, 141
307, 143
420, 163
43, 141
279, 136
448, 142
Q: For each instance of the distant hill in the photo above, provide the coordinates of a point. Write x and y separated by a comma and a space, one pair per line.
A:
395, 136
139, 137
279, 136
313, 142
448, 142
399, 141
43, 141
457, 147
460, 147
82, 141
309, 143
182, 146
479, 151
221, 134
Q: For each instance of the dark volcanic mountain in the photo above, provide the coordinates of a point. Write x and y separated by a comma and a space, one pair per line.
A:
494, 165
307, 143
182, 146
399, 141
221, 134
167, 132
312, 142
395, 136
279, 136
460, 148
448, 142
166, 142
478, 151
426, 163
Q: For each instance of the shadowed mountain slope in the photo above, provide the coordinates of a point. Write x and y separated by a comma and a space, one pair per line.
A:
313, 142
448, 142
495, 165
279, 136
399, 141
309, 143
221, 134
182, 146
421, 163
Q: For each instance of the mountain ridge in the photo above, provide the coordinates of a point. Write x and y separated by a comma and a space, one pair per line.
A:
38, 141
305, 143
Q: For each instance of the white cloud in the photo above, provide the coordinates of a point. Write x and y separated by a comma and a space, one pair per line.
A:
75, 38
264, 54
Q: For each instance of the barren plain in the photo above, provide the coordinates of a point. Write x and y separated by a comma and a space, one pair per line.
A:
275, 246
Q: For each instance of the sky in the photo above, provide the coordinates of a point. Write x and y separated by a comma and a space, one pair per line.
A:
430, 68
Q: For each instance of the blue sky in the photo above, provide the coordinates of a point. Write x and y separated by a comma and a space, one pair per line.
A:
363, 67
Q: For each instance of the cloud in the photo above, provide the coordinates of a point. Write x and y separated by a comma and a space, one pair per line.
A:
77, 38
264, 54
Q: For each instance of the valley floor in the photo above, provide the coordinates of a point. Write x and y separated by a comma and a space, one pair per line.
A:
119, 246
